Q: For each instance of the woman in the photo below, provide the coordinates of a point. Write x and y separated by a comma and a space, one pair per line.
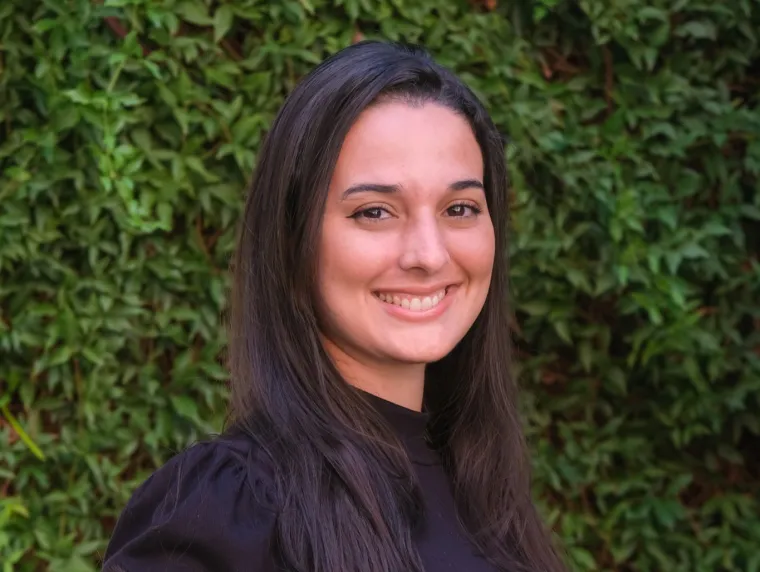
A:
374, 424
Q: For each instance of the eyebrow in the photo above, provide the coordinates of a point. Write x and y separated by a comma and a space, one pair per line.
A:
387, 189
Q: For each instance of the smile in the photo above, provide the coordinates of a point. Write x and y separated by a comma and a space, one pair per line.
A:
412, 302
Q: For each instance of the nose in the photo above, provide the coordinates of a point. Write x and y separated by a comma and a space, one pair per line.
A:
424, 247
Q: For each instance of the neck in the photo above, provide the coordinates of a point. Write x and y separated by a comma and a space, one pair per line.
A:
399, 383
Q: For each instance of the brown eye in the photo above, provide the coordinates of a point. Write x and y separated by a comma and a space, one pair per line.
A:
371, 213
462, 210
374, 212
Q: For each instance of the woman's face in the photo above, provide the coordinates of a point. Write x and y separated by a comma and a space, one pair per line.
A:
407, 244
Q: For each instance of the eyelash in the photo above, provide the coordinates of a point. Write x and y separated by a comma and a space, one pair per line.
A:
474, 208
358, 214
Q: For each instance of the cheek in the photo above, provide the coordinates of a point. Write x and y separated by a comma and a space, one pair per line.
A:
475, 253
350, 260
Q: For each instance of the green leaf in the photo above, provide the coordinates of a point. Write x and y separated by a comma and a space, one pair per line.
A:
535, 308
60, 356
583, 559
13, 422
751, 211
585, 353
195, 12
616, 379
694, 251
223, 18
563, 331
698, 29
185, 406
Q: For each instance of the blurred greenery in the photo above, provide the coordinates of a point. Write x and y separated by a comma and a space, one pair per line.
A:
130, 127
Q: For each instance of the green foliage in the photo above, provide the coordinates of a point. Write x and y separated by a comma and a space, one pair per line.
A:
129, 129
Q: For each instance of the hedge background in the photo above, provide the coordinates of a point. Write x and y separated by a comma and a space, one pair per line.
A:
130, 127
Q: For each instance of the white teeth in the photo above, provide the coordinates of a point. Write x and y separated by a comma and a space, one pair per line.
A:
415, 304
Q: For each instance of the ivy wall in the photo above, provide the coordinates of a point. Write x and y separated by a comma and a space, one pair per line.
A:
128, 129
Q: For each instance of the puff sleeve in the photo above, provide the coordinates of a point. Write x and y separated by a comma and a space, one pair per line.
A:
208, 509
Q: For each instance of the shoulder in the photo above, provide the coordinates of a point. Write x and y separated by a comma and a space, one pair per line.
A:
210, 507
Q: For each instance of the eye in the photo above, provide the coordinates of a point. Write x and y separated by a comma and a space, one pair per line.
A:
371, 213
462, 210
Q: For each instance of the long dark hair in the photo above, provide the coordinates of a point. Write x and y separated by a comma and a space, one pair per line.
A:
347, 496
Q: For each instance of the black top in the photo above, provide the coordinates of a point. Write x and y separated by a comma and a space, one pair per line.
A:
209, 509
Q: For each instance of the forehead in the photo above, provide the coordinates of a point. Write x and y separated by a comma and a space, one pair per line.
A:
394, 142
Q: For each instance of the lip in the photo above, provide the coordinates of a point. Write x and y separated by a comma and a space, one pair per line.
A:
416, 291
420, 315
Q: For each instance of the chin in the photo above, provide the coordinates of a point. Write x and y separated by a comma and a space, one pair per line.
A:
421, 354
